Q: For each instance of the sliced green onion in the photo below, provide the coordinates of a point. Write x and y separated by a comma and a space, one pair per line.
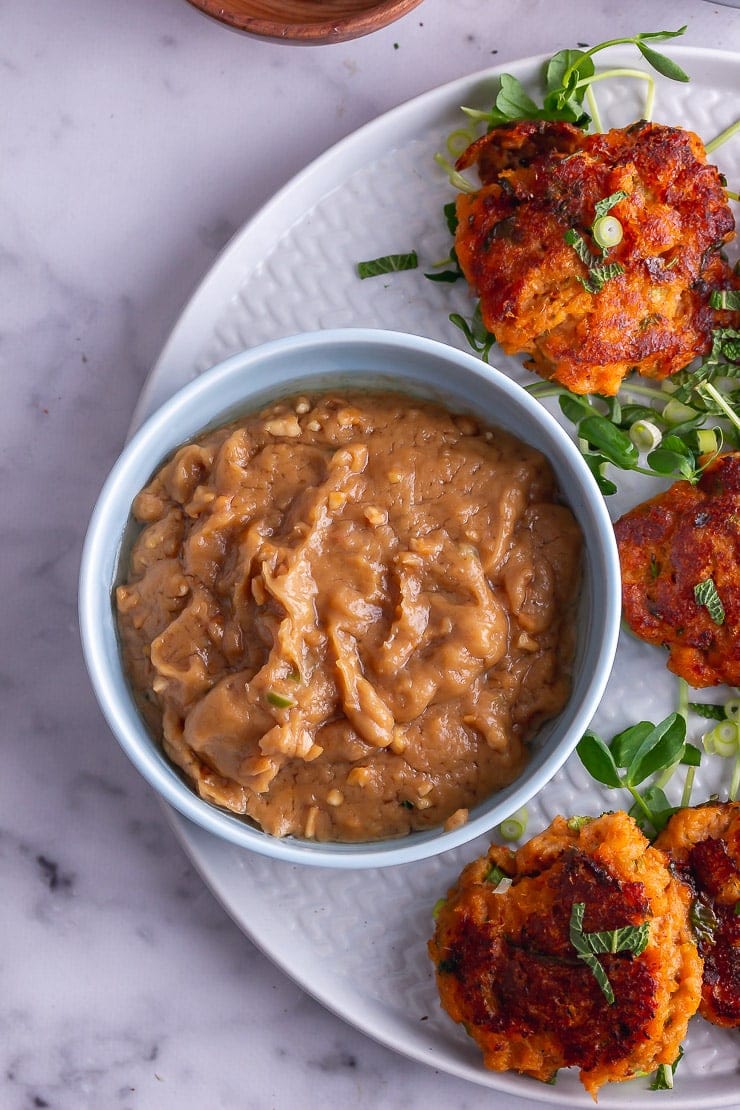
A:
706, 441
494, 875
723, 739
279, 701
456, 179
607, 232
645, 435
458, 141
675, 412
437, 907
514, 827
732, 709
664, 1078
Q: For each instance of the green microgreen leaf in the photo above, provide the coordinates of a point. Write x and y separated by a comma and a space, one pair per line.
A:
665, 66
632, 412
603, 206
598, 759
638, 752
599, 275
597, 464
625, 745
387, 264
579, 942
575, 406
661, 36
674, 456
513, 100
581, 247
691, 756
726, 299
706, 594
612, 442
475, 332
628, 938
574, 63
703, 920
450, 214
663, 1080
660, 748
652, 810
447, 277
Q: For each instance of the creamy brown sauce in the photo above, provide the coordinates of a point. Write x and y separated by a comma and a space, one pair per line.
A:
345, 615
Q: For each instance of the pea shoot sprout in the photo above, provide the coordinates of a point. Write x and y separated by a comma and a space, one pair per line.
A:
498, 879
723, 136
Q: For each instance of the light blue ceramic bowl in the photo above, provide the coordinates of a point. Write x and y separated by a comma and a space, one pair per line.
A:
361, 358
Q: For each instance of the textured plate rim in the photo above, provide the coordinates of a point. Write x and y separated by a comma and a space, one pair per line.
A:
227, 270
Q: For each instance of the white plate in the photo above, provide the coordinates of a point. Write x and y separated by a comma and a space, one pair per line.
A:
357, 941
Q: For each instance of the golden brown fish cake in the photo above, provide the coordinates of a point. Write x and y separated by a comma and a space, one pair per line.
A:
507, 969
541, 179
667, 546
704, 842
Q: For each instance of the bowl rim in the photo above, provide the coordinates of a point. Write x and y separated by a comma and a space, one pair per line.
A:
319, 31
154, 441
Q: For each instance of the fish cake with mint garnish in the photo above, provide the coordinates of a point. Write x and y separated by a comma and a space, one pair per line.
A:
517, 964
595, 254
680, 559
704, 843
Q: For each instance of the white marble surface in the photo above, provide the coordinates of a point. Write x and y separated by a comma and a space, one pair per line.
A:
134, 139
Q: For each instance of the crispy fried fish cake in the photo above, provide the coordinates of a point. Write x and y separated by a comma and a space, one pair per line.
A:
669, 545
507, 969
541, 179
704, 842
